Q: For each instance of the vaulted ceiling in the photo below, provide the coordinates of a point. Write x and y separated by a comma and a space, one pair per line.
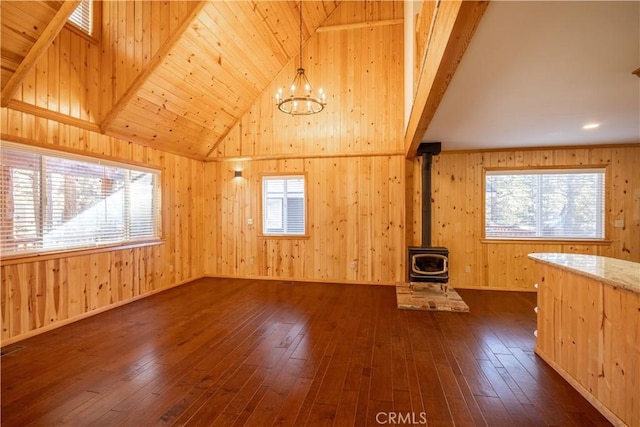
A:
28, 28
227, 55
181, 95
179, 75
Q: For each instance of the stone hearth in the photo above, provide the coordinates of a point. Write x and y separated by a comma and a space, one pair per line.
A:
429, 296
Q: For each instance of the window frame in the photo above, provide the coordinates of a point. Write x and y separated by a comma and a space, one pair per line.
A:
606, 226
75, 155
286, 175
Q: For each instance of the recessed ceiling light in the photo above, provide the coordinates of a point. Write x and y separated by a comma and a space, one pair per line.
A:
591, 126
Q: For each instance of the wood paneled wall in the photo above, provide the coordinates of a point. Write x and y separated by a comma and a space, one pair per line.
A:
37, 294
132, 32
83, 78
355, 221
360, 69
351, 154
66, 79
423, 26
458, 212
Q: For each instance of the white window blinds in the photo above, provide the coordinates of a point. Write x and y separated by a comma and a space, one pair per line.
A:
545, 204
82, 16
53, 201
283, 205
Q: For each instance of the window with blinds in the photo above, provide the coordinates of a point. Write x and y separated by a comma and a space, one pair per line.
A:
52, 201
82, 16
545, 204
283, 205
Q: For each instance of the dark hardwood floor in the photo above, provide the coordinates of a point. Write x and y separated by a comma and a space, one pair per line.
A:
238, 352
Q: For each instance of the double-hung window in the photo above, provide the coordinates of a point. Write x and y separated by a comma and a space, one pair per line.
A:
545, 204
52, 201
283, 205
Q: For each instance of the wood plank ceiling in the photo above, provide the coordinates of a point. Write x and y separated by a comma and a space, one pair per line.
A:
19, 34
27, 30
202, 80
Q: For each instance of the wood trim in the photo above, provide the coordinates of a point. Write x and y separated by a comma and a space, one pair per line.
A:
538, 148
492, 288
83, 153
454, 25
545, 167
300, 280
44, 256
38, 49
118, 135
87, 314
222, 138
358, 25
307, 207
151, 67
261, 236
34, 110
543, 241
304, 156
547, 242
96, 37
606, 412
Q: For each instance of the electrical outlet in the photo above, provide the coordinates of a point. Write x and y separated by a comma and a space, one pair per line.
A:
354, 265
619, 223
467, 269
251, 261
170, 268
249, 221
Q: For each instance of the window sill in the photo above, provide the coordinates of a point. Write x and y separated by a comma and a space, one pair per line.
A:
82, 33
44, 256
585, 242
284, 236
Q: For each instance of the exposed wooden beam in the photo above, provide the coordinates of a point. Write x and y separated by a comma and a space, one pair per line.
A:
157, 59
14, 104
221, 139
38, 49
356, 25
455, 23
151, 144
304, 156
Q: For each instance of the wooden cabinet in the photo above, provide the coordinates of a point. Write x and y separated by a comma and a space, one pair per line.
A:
588, 329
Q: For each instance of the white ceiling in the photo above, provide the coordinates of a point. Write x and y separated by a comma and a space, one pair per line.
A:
535, 72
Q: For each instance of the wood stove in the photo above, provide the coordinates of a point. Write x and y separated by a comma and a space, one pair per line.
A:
427, 263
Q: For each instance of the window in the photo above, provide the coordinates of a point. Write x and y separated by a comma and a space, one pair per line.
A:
283, 205
545, 204
82, 16
53, 201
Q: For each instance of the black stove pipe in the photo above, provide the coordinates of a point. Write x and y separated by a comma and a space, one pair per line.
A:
427, 150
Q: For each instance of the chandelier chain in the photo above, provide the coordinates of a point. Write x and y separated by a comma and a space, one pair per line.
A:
300, 100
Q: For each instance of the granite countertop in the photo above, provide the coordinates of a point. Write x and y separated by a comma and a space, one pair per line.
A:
612, 271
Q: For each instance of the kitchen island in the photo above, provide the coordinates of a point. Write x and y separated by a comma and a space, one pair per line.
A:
589, 328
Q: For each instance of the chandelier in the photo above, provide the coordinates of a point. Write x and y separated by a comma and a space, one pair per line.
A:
300, 100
